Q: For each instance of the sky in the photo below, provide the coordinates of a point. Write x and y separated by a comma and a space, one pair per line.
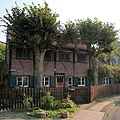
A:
104, 10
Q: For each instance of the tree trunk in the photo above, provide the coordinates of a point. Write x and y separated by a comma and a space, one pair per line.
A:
39, 59
95, 70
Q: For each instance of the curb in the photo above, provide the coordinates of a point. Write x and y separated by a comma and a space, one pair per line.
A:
110, 108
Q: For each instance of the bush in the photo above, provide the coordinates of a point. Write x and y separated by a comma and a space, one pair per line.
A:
26, 101
65, 103
54, 108
69, 103
47, 101
59, 104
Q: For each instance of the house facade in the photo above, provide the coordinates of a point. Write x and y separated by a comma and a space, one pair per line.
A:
69, 68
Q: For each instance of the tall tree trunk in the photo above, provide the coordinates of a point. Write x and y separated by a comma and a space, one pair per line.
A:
95, 70
39, 59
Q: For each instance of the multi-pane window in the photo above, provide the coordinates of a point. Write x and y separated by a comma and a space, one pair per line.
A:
49, 55
81, 58
23, 53
81, 81
22, 81
64, 56
46, 81
106, 80
70, 81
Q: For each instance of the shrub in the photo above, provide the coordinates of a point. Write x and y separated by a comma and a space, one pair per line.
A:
59, 104
47, 101
65, 103
69, 103
26, 101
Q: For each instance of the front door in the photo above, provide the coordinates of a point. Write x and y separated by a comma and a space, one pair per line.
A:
60, 81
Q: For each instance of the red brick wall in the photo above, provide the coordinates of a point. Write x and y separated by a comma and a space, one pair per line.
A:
21, 67
25, 67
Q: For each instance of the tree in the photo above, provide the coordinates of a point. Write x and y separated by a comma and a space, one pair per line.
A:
112, 58
98, 37
33, 27
2, 52
3, 66
106, 70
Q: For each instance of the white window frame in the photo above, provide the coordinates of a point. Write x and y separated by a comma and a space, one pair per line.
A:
106, 80
22, 80
44, 80
70, 79
82, 79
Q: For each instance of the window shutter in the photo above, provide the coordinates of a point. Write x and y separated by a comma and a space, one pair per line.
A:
31, 81
52, 81
100, 80
111, 80
87, 81
75, 81
12, 81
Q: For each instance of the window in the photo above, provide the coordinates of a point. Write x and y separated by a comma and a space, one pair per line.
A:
70, 81
23, 53
106, 80
49, 55
81, 58
46, 81
22, 81
81, 81
64, 56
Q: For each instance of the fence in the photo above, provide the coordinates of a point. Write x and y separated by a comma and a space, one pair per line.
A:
13, 98
102, 91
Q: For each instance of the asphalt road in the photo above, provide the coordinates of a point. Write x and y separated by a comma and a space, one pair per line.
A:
115, 113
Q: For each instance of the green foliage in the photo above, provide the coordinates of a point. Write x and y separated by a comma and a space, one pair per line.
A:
57, 113
112, 58
53, 113
27, 101
54, 108
117, 73
106, 70
70, 33
2, 52
98, 36
47, 101
3, 75
64, 103
69, 103
33, 26
33, 113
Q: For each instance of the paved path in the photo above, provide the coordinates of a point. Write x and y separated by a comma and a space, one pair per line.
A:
96, 112
88, 115
115, 113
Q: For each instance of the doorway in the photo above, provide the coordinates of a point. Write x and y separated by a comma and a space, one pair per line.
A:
60, 81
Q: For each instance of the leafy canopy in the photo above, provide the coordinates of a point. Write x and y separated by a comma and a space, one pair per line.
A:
2, 52
33, 26
98, 36
112, 58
